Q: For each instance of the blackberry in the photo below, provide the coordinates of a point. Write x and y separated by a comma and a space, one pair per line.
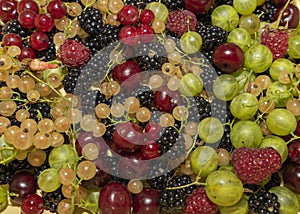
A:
174, 4
160, 182
212, 37
106, 35
202, 106
174, 200
14, 26
263, 202
5, 174
51, 200
91, 21
70, 80
100, 98
109, 130
225, 142
141, 4
39, 109
220, 2
167, 139
267, 11
49, 53
144, 94
275, 180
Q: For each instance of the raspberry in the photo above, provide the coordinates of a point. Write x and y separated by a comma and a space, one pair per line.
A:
179, 20
198, 202
73, 53
254, 165
276, 40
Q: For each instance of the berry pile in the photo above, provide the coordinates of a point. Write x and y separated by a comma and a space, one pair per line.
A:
147, 106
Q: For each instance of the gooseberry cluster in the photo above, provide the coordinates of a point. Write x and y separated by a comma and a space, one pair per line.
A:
110, 106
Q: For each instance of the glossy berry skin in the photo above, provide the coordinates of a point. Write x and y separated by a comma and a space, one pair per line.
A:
147, 17
294, 151
165, 99
133, 167
39, 41
57, 9
8, 10
127, 74
150, 151
279, 2
26, 5
26, 19
289, 18
44, 22
84, 138
128, 15
198, 6
12, 39
100, 179
115, 199
291, 177
152, 131
228, 57
32, 204
146, 202
27, 52
23, 183
128, 35
145, 33
128, 136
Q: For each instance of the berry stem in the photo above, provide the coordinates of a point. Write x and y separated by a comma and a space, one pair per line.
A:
281, 13
294, 137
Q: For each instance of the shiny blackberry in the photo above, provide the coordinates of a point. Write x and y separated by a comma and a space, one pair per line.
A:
39, 109
174, 200
139, 3
14, 26
160, 182
263, 202
5, 174
48, 54
51, 200
109, 130
174, 4
167, 139
70, 80
91, 20
266, 11
100, 98
203, 107
225, 142
144, 94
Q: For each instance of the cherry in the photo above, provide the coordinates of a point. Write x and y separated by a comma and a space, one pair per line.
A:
150, 150
100, 179
152, 131
26, 19
128, 35
147, 17
294, 151
44, 22
127, 74
22, 183
145, 33
279, 2
39, 41
26, 53
114, 198
128, 136
291, 176
198, 6
57, 9
32, 204
146, 202
165, 99
128, 15
8, 10
26, 5
12, 39
289, 18
228, 57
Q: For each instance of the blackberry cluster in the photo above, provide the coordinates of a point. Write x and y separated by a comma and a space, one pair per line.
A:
174, 4
267, 11
70, 80
100, 98
221, 2
141, 4
263, 202
49, 53
225, 142
91, 21
212, 37
160, 182
5, 174
51, 200
144, 94
109, 130
14, 26
168, 139
106, 35
39, 109
174, 200
199, 110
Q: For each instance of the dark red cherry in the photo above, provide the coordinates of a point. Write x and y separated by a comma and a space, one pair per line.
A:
165, 99
291, 176
228, 57
32, 204
294, 151
115, 199
127, 74
290, 16
146, 202
44, 22
85, 137
100, 179
198, 6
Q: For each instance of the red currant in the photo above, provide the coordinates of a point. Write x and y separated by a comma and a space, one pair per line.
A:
8, 10
26, 52
32, 204
147, 17
128, 35
12, 39
57, 9
128, 15
150, 151
26, 5
39, 41
44, 22
145, 33
26, 19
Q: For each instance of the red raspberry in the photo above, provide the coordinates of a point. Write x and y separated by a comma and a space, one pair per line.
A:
198, 202
179, 20
276, 40
253, 165
73, 53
